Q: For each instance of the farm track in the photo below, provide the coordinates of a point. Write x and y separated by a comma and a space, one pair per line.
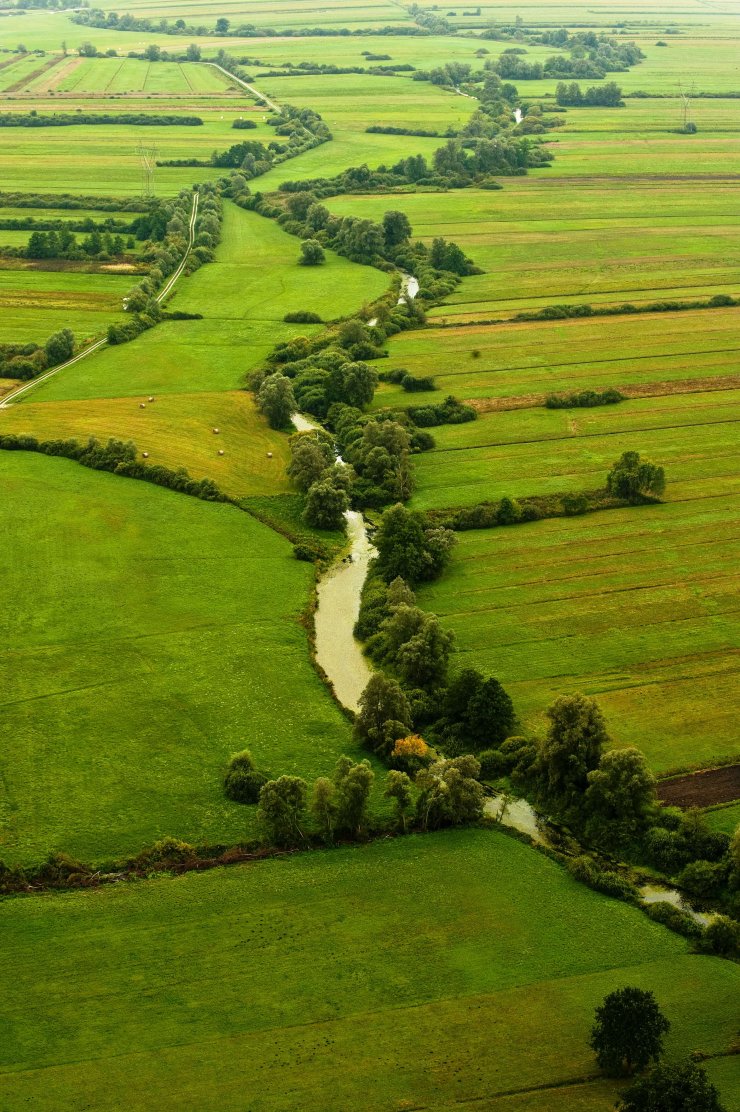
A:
163, 293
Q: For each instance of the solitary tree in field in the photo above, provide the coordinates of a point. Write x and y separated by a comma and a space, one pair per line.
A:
634, 478
628, 1033
672, 1087
60, 347
276, 400
312, 253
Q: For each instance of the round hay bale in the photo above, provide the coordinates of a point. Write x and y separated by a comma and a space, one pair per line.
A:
220, 451
142, 405
269, 455
145, 455
217, 431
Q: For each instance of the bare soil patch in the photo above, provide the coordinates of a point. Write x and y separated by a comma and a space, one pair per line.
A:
702, 789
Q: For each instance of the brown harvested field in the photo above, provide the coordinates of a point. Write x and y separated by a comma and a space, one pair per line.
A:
702, 789
645, 390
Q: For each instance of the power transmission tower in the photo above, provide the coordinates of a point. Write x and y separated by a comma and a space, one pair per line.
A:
686, 95
148, 159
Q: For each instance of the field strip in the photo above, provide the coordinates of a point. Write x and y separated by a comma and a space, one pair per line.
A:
542, 365
712, 384
6, 401
582, 436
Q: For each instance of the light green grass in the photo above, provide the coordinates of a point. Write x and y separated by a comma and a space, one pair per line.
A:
35, 303
520, 360
634, 607
613, 241
548, 451
263, 987
243, 296
103, 159
150, 636
725, 819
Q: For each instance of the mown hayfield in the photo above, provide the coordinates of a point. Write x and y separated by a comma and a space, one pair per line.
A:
283, 13
35, 303
243, 296
248, 987
535, 358
114, 76
634, 607
613, 241
176, 430
351, 103
565, 451
150, 636
103, 159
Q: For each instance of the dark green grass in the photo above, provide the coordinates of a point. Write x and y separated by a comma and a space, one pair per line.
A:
147, 637
404, 974
636, 607
726, 819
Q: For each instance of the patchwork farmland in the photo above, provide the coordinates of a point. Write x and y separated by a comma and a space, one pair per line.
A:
369, 395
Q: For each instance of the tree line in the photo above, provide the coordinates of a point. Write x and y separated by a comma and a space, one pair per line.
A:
70, 119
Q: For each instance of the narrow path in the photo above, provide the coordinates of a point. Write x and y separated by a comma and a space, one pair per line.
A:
163, 293
255, 92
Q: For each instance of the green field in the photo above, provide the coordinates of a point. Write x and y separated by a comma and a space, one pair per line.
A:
615, 241
151, 636
327, 956
35, 303
725, 819
103, 159
243, 296
634, 607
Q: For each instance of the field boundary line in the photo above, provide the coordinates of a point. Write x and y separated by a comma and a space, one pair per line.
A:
255, 92
11, 397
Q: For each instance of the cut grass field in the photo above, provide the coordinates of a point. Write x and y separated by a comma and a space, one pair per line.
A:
149, 636
539, 451
724, 819
249, 987
102, 159
636, 607
175, 431
614, 241
480, 362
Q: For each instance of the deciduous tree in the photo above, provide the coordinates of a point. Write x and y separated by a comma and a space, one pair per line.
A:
628, 1032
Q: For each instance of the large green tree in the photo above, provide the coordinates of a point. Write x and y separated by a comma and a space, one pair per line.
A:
672, 1087
282, 810
571, 749
276, 400
635, 479
382, 703
619, 798
629, 1031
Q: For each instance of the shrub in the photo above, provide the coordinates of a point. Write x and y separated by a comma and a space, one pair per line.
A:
302, 317
243, 781
674, 919
722, 936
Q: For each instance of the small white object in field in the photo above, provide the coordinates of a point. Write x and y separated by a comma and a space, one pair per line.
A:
145, 455
217, 431
220, 451
142, 405
151, 399
269, 455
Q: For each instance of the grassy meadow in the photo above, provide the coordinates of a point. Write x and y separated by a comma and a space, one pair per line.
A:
35, 303
459, 1003
151, 635
255, 280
